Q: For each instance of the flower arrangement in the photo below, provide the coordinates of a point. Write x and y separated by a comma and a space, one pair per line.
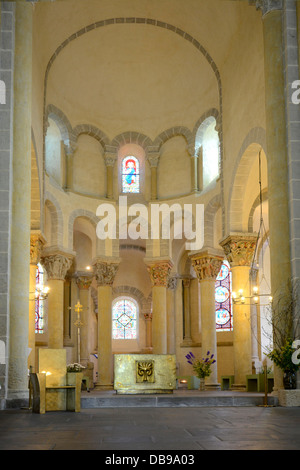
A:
282, 357
202, 367
75, 367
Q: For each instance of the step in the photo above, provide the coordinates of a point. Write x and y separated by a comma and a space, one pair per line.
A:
190, 398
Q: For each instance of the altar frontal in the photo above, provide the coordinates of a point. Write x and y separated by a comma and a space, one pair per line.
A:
144, 373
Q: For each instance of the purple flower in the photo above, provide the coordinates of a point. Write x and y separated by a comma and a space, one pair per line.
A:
192, 354
208, 353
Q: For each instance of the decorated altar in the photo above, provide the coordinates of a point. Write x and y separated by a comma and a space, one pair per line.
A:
144, 373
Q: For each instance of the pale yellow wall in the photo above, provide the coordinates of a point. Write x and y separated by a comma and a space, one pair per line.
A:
89, 170
174, 170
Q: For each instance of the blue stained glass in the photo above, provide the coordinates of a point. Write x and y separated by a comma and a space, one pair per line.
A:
223, 299
130, 175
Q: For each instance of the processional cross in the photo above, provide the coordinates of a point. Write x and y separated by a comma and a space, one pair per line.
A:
79, 324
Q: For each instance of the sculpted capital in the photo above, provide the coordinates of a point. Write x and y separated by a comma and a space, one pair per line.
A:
268, 5
105, 272
239, 249
57, 265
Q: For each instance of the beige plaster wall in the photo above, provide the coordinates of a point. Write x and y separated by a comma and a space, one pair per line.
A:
89, 170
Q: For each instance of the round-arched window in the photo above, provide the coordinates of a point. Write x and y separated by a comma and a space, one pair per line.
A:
130, 175
124, 319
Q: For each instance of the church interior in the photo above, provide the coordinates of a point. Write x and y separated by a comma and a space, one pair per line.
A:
166, 103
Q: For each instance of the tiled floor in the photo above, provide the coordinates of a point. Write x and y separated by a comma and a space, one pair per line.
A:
156, 429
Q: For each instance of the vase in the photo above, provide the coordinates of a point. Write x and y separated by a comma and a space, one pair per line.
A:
289, 380
202, 384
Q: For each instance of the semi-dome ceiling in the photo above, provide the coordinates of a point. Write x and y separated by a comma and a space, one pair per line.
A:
132, 77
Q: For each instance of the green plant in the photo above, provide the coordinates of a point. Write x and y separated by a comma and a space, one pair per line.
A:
282, 356
202, 367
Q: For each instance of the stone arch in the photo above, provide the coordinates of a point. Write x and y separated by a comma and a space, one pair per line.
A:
211, 113
255, 204
252, 144
63, 124
56, 234
129, 291
93, 132
176, 131
131, 137
89, 216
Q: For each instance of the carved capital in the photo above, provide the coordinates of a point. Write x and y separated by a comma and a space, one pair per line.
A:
159, 273
239, 249
148, 316
268, 5
37, 242
206, 266
153, 159
83, 281
57, 265
110, 159
105, 273
172, 282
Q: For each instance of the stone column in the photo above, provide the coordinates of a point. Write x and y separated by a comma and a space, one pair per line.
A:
37, 242
20, 204
207, 267
239, 250
159, 273
187, 337
153, 159
69, 154
196, 166
57, 264
276, 145
277, 152
148, 320
84, 282
105, 273
171, 345
110, 163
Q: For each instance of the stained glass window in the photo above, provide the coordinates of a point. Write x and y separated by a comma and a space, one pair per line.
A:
39, 302
130, 175
223, 299
124, 319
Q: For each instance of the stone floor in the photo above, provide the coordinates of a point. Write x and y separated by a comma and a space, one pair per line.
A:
153, 429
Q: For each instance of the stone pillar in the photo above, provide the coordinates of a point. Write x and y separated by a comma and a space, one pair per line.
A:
84, 282
276, 146
239, 250
37, 242
277, 152
153, 159
159, 273
148, 320
196, 159
105, 273
207, 267
57, 264
171, 344
110, 163
20, 204
69, 155
187, 337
